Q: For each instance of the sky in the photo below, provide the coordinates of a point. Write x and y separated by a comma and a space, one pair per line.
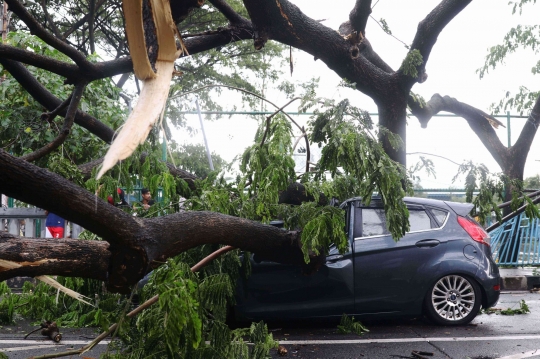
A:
460, 50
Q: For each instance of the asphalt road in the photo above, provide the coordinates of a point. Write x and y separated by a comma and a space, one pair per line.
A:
487, 337
490, 336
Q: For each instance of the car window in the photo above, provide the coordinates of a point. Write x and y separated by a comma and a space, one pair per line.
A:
419, 220
373, 222
439, 215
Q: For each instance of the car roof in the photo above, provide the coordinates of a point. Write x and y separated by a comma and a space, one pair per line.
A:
461, 209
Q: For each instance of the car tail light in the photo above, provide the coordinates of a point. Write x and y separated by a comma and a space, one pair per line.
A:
497, 287
474, 230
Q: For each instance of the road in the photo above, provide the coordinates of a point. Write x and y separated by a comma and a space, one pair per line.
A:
487, 337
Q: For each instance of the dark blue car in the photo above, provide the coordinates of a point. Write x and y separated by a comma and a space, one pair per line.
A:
441, 268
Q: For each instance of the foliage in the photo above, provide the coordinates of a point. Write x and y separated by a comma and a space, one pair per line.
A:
191, 312
193, 159
349, 325
385, 26
65, 168
412, 60
424, 164
23, 130
268, 165
490, 188
418, 99
519, 4
351, 147
522, 101
8, 301
522, 36
523, 309
41, 302
532, 182
321, 227
152, 173
179, 308
519, 37
478, 178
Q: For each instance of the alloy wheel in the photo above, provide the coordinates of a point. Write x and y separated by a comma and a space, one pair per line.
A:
453, 298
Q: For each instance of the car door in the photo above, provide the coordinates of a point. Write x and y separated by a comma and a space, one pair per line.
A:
278, 291
391, 276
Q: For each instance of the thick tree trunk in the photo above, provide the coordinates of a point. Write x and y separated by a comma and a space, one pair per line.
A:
393, 117
513, 167
135, 245
66, 257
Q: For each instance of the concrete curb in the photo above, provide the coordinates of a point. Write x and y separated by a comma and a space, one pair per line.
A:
521, 282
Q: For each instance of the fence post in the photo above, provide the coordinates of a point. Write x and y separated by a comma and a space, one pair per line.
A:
75, 230
29, 230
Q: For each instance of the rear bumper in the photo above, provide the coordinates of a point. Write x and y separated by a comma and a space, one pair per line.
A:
489, 278
491, 295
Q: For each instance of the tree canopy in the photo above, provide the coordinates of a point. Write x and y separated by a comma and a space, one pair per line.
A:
51, 163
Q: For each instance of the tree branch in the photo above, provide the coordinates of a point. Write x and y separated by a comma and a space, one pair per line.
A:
86, 170
137, 244
429, 29
71, 202
64, 132
79, 22
50, 102
181, 9
284, 22
229, 13
359, 15
268, 118
224, 37
66, 257
526, 137
49, 20
42, 33
31, 58
480, 122
91, 21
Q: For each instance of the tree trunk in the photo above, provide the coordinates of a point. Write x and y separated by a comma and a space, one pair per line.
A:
514, 168
135, 245
393, 117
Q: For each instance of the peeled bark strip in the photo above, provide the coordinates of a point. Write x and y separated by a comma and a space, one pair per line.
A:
133, 13
155, 84
144, 115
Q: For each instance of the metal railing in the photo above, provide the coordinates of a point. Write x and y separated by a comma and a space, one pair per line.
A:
517, 242
30, 223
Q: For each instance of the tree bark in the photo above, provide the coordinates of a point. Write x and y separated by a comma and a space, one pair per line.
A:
393, 118
136, 245
66, 257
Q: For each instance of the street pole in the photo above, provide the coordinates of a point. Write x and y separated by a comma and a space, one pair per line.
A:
210, 163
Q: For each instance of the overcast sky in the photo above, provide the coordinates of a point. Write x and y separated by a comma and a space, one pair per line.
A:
458, 53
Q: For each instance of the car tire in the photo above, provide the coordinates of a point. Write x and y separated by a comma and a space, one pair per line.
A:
453, 300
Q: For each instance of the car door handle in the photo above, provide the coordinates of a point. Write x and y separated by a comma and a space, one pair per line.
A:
334, 257
427, 243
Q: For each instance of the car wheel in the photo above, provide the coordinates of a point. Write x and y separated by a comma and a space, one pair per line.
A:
453, 300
